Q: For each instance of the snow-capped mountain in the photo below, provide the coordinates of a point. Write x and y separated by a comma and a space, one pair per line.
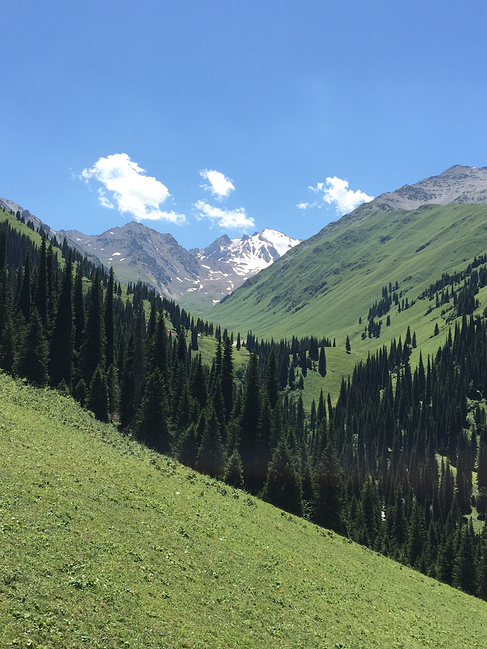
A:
249, 254
196, 279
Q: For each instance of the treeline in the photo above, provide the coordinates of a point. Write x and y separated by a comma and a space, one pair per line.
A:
390, 465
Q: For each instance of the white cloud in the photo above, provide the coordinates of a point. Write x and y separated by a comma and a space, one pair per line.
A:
219, 186
335, 191
132, 191
234, 219
104, 200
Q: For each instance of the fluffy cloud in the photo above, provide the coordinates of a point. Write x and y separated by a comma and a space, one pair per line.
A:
335, 191
219, 186
132, 192
234, 219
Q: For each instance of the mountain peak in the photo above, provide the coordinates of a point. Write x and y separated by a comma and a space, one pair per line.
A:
250, 253
458, 184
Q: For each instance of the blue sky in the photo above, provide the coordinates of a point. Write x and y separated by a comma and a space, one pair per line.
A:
199, 118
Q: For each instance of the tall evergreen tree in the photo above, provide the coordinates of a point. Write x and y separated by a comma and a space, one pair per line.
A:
32, 357
62, 340
152, 425
98, 394
283, 484
322, 362
94, 340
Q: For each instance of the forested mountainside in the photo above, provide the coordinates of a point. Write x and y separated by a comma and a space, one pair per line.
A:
399, 462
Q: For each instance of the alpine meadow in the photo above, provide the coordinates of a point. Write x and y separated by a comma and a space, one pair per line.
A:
302, 465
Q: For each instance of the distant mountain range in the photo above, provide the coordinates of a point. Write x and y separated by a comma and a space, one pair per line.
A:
196, 279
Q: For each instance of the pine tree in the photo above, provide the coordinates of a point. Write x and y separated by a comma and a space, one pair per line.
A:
6, 323
79, 309
62, 340
249, 424
109, 321
227, 378
272, 379
94, 341
234, 471
211, 455
328, 491
322, 362
98, 394
464, 567
151, 426
32, 357
416, 543
41, 295
283, 484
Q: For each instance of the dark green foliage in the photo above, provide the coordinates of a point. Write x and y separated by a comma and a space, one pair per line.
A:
32, 357
94, 340
283, 486
62, 342
322, 362
98, 394
481, 503
80, 392
463, 573
151, 426
234, 471
211, 456
328, 491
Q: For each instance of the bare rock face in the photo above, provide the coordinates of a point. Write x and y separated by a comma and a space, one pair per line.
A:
455, 185
198, 278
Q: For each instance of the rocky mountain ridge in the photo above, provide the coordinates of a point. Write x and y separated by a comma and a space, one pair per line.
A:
458, 184
197, 279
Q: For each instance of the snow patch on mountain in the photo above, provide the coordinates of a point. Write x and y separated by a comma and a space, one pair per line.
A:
249, 254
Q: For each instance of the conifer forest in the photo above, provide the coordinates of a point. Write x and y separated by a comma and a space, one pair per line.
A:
388, 464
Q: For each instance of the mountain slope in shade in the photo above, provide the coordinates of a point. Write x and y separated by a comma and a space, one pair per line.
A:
196, 279
325, 284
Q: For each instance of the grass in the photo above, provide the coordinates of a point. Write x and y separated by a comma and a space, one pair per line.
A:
106, 544
325, 284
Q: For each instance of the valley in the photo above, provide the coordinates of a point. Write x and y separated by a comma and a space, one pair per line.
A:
334, 402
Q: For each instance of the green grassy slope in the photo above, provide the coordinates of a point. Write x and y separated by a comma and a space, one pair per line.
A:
106, 544
325, 284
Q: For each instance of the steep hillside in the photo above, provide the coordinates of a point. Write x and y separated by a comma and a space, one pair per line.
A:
106, 544
324, 285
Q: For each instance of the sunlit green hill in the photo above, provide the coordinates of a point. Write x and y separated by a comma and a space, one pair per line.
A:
324, 285
106, 544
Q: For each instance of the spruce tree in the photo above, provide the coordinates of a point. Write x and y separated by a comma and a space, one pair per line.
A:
322, 362
328, 491
32, 357
98, 394
283, 484
211, 454
62, 339
94, 340
464, 568
152, 425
